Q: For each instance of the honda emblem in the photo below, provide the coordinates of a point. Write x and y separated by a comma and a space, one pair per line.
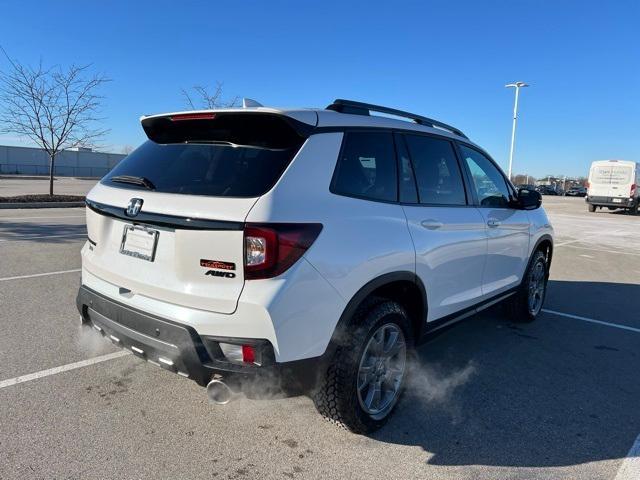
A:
133, 209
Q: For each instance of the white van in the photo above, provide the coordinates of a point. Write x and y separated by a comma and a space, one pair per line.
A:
614, 184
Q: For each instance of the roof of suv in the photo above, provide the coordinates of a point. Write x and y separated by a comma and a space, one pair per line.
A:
331, 117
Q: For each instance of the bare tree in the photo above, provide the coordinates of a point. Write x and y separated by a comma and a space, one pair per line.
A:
202, 98
523, 179
56, 108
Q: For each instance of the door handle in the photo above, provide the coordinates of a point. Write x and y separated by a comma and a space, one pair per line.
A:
431, 224
493, 223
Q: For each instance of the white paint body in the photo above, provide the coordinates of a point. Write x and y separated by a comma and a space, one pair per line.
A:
460, 264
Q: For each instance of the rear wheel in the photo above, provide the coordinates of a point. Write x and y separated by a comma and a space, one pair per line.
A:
592, 208
366, 377
526, 304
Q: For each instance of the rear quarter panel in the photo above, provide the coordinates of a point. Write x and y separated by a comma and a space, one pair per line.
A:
360, 240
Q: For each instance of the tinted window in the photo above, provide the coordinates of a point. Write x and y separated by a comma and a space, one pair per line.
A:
491, 187
204, 169
367, 167
437, 171
408, 192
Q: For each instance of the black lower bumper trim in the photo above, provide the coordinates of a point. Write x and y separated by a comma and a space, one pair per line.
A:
171, 345
619, 202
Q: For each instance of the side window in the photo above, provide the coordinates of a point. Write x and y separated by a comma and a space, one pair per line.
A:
488, 182
408, 192
437, 172
367, 167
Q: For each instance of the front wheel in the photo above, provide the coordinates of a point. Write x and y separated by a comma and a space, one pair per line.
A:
367, 375
592, 208
525, 305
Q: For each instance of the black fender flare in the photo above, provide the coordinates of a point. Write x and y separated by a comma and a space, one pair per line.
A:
543, 238
548, 238
364, 292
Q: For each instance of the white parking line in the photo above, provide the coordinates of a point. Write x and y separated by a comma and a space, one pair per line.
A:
591, 320
36, 237
60, 272
601, 250
562, 244
29, 218
64, 368
592, 236
630, 468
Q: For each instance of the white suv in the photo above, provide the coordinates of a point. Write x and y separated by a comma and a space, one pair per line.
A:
318, 245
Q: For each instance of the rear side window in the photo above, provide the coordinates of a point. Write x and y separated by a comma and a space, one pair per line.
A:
437, 171
367, 167
222, 157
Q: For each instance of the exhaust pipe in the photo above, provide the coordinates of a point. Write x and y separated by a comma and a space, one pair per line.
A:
219, 392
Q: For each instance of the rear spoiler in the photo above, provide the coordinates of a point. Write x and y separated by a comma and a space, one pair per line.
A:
268, 126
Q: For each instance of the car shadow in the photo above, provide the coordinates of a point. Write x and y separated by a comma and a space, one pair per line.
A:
49, 232
620, 211
555, 392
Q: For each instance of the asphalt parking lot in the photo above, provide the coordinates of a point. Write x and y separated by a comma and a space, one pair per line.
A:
18, 185
554, 399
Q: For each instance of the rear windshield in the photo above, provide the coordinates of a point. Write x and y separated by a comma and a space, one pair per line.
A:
232, 158
610, 175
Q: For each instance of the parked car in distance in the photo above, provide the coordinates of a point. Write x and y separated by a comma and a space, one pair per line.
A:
546, 190
525, 186
576, 192
614, 184
307, 248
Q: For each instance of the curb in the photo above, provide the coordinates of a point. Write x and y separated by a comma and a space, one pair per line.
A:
41, 205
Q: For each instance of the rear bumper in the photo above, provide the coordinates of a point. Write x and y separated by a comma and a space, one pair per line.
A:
620, 202
177, 347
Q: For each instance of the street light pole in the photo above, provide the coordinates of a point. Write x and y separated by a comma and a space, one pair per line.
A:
517, 86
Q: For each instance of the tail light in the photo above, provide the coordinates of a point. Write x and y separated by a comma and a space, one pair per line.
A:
270, 249
588, 185
633, 190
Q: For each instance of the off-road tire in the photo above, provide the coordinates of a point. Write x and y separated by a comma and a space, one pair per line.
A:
518, 304
336, 397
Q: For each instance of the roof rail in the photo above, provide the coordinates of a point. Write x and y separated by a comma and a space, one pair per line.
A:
360, 108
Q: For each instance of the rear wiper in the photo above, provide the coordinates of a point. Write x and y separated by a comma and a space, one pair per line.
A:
213, 142
234, 145
142, 181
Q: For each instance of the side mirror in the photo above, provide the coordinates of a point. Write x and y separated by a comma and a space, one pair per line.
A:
529, 199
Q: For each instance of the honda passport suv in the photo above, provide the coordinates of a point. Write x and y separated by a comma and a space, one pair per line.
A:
310, 248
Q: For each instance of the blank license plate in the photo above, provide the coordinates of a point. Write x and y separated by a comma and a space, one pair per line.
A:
617, 200
139, 242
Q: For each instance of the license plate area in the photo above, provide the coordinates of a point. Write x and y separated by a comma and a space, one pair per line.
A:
139, 242
617, 200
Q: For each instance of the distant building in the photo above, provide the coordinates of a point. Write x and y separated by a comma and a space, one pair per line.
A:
79, 162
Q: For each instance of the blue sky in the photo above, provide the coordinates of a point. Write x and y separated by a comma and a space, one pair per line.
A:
446, 60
